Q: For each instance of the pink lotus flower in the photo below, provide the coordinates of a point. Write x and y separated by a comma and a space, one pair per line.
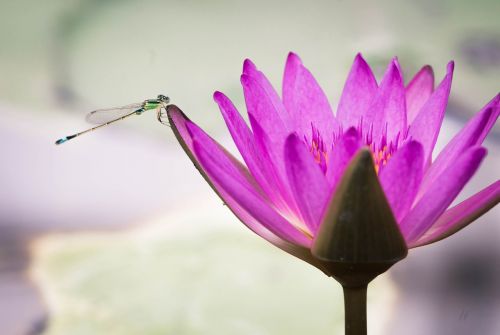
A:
297, 149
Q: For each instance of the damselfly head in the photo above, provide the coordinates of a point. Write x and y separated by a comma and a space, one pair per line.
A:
163, 98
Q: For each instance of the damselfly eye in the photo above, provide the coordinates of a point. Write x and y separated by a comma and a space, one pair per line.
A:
163, 98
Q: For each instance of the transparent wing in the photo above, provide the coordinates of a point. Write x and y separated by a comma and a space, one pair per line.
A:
104, 115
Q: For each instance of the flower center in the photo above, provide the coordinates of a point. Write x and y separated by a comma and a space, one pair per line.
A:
381, 157
318, 149
381, 151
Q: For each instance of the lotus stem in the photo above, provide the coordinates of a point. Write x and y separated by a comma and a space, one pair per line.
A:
355, 310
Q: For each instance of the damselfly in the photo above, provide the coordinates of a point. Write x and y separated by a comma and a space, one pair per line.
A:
105, 116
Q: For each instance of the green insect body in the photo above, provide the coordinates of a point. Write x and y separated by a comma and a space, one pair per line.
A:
106, 116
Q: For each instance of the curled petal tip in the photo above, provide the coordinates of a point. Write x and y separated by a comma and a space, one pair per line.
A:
429, 71
428, 68
494, 105
218, 96
248, 66
415, 145
292, 138
352, 131
222, 100
173, 110
450, 67
482, 152
496, 100
293, 57
360, 62
395, 61
395, 68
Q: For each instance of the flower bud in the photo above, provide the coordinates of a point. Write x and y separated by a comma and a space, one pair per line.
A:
359, 237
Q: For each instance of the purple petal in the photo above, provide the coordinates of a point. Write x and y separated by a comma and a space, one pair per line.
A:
387, 113
178, 121
418, 91
255, 159
272, 156
184, 127
226, 174
272, 97
425, 128
458, 217
358, 93
342, 153
441, 194
473, 134
262, 109
307, 181
495, 106
401, 177
306, 102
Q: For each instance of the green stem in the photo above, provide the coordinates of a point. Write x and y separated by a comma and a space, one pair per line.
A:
355, 310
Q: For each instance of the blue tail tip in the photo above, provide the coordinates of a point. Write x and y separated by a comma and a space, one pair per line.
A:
61, 140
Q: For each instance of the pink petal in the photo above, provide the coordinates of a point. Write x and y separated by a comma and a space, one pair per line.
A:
342, 153
185, 128
254, 158
272, 156
306, 102
425, 128
441, 194
472, 134
458, 217
401, 177
387, 113
418, 91
307, 181
495, 106
250, 70
226, 174
178, 121
359, 90
263, 111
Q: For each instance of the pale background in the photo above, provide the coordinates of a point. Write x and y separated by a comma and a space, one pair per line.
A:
116, 232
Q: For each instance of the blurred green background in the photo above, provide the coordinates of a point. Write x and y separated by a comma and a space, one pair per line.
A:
116, 233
